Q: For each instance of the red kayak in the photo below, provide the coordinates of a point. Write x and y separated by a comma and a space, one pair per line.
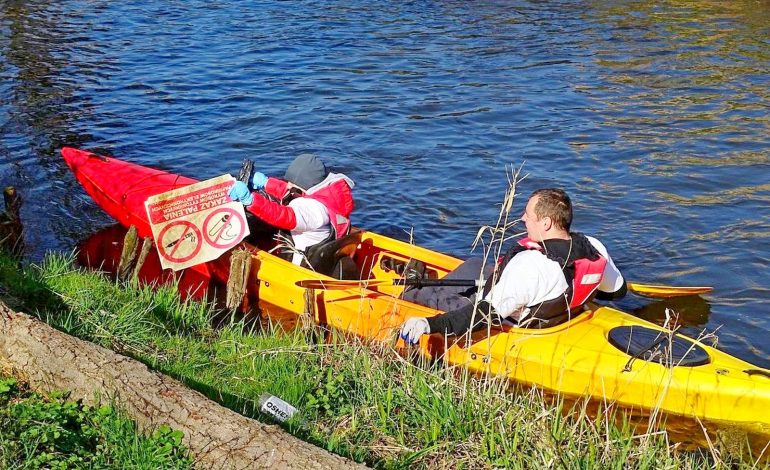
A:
121, 189
123, 201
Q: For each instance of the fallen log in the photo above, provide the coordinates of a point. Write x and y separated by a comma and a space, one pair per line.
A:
217, 437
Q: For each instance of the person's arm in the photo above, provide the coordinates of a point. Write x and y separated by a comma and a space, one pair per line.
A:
473, 316
528, 279
276, 188
617, 295
301, 215
456, 322
272, 213
273, 187
613, 285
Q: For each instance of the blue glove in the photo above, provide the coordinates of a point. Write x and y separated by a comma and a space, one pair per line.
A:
413, 328
240, 192
258, 181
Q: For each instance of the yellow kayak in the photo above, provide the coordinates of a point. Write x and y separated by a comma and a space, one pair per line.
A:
575, 358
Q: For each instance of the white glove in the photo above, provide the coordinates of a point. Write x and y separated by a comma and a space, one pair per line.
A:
413, 328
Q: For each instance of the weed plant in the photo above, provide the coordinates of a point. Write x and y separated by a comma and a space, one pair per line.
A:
55, 432
356, 398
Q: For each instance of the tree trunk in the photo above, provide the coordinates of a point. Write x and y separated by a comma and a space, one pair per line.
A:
216, 436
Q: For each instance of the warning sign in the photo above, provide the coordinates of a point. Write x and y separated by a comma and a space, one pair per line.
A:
197, 223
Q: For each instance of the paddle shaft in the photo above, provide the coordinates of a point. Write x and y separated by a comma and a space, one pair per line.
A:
654, 291
437, 282
335, 284
641, 289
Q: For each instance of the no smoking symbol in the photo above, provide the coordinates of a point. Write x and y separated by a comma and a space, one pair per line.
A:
224, 228
179, 241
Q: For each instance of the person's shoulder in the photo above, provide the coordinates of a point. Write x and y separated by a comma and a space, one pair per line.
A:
341, 177
532, 266
530, 258
598, 245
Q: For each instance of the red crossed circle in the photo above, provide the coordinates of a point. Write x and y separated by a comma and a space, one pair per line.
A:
162, 248
213, 239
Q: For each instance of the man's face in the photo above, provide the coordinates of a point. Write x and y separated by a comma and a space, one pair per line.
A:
535, 226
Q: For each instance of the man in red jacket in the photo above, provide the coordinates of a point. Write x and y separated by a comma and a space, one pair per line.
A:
314, 205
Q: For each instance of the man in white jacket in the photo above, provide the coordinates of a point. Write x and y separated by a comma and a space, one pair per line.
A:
544, 279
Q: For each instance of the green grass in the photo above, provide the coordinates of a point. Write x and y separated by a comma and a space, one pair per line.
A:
357, 399
58, 433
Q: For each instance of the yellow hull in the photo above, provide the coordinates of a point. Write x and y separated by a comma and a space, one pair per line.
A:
574, 358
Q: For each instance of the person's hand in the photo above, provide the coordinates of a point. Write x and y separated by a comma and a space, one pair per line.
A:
240, 193
258, 181
413, 328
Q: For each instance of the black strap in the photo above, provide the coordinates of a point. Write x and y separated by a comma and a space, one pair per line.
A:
419, 283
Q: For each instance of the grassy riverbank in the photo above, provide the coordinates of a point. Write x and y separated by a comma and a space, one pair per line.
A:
356, 399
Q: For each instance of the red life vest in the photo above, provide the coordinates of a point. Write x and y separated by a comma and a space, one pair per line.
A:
587, 272
338, 202
588, 276
336, 197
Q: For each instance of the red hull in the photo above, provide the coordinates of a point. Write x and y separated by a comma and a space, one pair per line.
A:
121, 188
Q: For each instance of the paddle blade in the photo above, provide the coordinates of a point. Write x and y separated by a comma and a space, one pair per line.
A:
657, 291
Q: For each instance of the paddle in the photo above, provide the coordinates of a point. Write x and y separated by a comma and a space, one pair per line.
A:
647, 290
335, 284
244, 175
658, 291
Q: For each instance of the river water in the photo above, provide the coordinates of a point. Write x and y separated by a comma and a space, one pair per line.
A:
653, 115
